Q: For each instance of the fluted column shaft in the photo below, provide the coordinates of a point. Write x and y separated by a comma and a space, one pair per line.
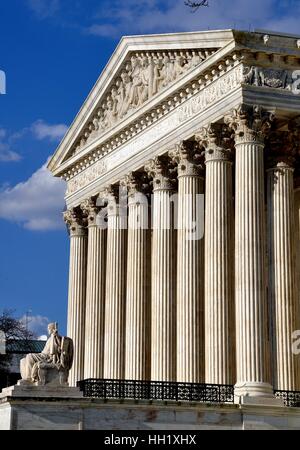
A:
190, 267
296, 336
250, 281
138, 337
250, 247
115, 307
282, 293
163, 361
219, 299
95, 295
77, 296
163, 319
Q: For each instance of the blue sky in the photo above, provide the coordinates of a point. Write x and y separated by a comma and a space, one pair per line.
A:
52, 52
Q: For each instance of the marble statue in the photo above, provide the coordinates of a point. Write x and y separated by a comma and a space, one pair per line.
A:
53, 364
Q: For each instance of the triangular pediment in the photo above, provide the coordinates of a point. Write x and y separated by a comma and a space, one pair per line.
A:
141, 68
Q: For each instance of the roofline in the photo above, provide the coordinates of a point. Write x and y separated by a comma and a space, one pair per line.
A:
178, 33
276, 33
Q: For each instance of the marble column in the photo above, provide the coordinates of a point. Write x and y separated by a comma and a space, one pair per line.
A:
95, 293
252, 345
296, 336
190, 265
115, 306
77, 290
281, 232
138, 307
163, 319
219, 264
294, 129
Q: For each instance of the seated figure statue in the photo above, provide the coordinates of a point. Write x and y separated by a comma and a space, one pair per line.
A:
53, 364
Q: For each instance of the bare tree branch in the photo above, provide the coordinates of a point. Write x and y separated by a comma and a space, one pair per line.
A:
13, 330
196, 5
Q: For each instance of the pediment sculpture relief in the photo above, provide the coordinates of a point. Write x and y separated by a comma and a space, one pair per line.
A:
140, 78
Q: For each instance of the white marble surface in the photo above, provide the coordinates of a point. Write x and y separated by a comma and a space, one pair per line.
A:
48, 391
84, 414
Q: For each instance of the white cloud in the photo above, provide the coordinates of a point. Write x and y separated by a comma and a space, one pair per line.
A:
44, 8
36, 204
147, 16
37, 324
114, 18
42, 338
42, 130
102, 30
7, 154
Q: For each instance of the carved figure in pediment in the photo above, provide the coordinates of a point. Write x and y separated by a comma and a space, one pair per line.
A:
96, 124
114, 99
111, 115
91, 131
101, 118
157, 76
127, 86
120, 96
195, 60
178, 66
137, 82
167, 72
147, 79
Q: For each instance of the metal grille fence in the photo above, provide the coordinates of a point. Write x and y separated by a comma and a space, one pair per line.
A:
157, 390
290, 398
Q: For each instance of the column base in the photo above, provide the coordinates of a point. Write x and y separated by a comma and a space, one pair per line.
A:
255, 393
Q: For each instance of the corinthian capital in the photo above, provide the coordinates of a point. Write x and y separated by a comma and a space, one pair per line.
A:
137, 186
90, 210
133, 182
116, 198
110, 194
217, 141
75, 221
250, 123
184, 155
160, 171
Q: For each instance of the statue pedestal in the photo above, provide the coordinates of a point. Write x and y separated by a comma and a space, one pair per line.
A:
29, 390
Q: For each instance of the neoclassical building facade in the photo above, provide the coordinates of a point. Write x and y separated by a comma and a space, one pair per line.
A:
203, 288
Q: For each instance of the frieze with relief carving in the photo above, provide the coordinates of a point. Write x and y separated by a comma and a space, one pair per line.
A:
84, 178
273, 78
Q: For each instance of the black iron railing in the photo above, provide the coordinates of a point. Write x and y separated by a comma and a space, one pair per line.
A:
157, 390
290, 398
